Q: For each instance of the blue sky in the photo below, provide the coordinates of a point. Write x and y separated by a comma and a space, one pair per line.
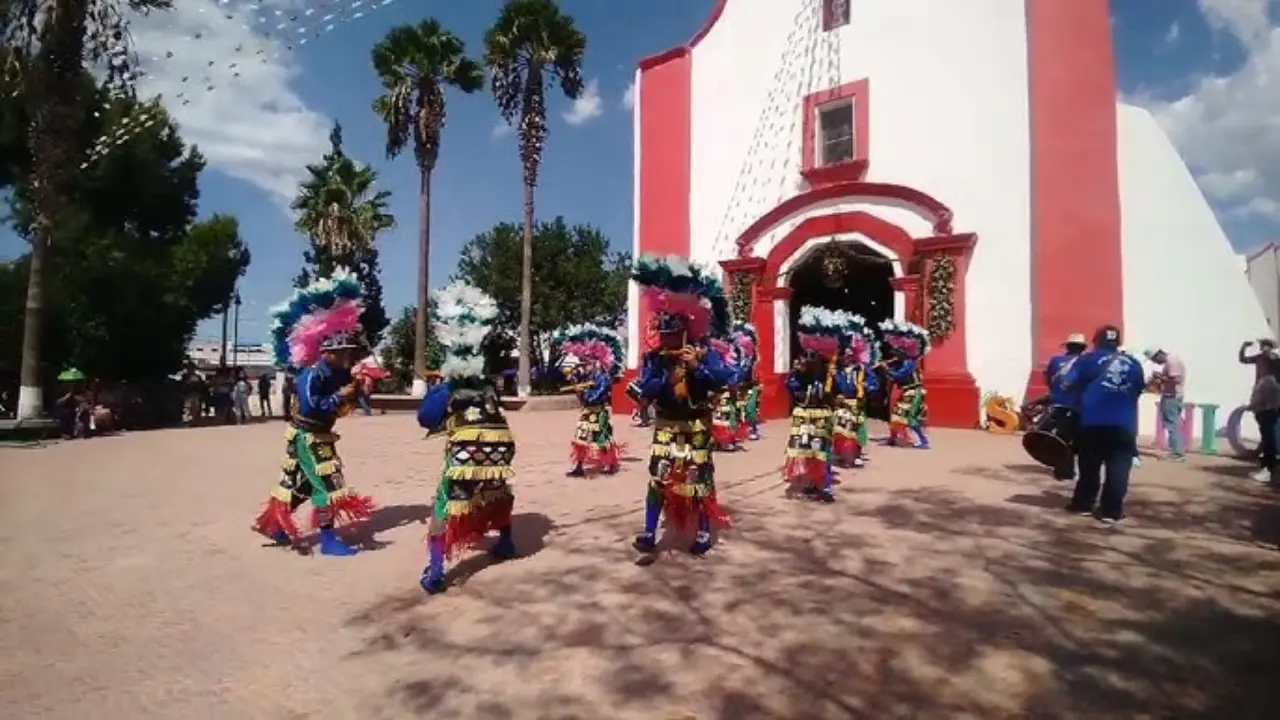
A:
1164, 48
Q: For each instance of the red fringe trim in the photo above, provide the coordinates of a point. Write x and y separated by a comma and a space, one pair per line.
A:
681, 512
464, 531
347, 509
276, 516
742, 432
721, 435
804, 471
594, 457
846, 448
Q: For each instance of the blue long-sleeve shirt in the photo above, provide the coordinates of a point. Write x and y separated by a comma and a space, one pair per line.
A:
903, 373
1055, 376
434, 408
1109, 383
846, 382
319, 390
806, 392
711, 375
598, 393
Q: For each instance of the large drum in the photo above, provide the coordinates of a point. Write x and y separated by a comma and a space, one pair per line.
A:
1052, 441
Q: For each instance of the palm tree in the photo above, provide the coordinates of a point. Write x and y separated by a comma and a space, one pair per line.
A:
415, 63
531, 44
338, 205
45, 47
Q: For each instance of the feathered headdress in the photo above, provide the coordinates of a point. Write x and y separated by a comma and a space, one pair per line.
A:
464, 317
591, 342
685, 296
821, 330
324, 315
859, 341
745, 341
907, 338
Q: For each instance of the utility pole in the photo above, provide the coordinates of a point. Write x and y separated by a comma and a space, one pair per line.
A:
222, 347
235, 338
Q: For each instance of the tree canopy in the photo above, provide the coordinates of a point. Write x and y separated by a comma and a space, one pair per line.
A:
397, 353
133, 272
576, 279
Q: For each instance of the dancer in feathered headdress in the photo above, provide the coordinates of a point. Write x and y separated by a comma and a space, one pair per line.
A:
680, 378
727, 428
745, 344
908, 344
314, 334
855, 379
813, 391
473, 496
598, 352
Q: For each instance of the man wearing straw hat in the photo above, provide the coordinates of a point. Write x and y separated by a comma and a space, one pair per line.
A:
1062, 399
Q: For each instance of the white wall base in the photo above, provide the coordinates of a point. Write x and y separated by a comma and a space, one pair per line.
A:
419, 388
30, 402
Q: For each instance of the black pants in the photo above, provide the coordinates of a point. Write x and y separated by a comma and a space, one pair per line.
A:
1267, 437
1109, 450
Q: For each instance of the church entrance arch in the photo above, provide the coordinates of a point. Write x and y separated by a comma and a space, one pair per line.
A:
842, 274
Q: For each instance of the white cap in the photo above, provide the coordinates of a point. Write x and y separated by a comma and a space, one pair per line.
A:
1076, 339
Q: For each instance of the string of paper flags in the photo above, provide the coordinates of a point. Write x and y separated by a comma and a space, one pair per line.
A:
291, 29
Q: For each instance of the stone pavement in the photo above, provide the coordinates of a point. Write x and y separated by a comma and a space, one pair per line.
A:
943, 584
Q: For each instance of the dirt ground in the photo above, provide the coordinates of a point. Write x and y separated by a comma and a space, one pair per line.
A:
943, 584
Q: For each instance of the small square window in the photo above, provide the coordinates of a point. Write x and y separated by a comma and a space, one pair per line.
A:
835, 14
836, 143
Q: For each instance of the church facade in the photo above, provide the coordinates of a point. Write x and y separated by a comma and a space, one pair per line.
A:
963, 165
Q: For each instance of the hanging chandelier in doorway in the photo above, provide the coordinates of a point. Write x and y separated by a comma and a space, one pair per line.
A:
835, 266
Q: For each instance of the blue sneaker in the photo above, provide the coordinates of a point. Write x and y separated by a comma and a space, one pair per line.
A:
645, 542
504, 549
432, 580
332, 546
701, 544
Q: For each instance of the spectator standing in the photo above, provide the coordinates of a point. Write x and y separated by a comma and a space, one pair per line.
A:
264, 394
240, 393
1265, 411
1172, 378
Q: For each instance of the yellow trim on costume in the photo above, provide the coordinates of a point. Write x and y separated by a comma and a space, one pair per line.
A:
806, 453
282, 494
481, 434
477, 501
811, 413
695, 456
480, 472
289, 465
290, 433
680, 426
328, 467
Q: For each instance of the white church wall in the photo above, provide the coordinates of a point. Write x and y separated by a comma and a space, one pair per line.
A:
1183, 289
948, 115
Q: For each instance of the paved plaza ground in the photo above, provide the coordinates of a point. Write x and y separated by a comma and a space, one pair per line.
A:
942, 584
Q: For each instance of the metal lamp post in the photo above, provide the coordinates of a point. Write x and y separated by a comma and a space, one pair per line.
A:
235, 336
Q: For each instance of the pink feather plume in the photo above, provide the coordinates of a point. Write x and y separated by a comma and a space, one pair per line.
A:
590, 350
860, 349
722, 347
304, 341
694, 308
745, 344
823, 345
908, 346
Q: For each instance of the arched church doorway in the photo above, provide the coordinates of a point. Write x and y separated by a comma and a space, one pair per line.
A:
846, 276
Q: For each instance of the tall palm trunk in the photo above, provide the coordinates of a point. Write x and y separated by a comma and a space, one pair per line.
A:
54, 85
424, 290
526, 295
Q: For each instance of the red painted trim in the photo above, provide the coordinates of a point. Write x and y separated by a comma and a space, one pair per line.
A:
859, 93
941, 213
753, 265
680, 51
1076, 266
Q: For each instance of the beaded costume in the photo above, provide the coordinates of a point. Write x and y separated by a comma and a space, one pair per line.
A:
855, 380
745, 344
908, 344
727, 427
681, 379
313, 335
473, 496
813, 389
599, 354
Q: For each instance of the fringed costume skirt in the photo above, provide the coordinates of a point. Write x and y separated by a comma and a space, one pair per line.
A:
910, 408
808, 446
727, 428
593, 447
847, 419
474, 496
311, 471
683, 473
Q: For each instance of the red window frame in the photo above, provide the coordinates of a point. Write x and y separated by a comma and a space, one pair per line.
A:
857, 92
829, 19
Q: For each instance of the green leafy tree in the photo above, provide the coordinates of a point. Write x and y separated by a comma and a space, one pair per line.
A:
44, 46
531, 45
341, 213
133, 273
397, 353
415, 64
567, 260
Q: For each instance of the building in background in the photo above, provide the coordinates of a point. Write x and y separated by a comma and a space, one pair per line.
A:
255, 358
963, 165
1263, 269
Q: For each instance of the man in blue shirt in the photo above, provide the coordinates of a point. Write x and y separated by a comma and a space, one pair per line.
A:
1109, 383
1064, 401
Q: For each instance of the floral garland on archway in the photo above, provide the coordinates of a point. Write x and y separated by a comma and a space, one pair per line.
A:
941, 321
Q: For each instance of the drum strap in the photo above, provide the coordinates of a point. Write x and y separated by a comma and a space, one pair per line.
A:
1066, 368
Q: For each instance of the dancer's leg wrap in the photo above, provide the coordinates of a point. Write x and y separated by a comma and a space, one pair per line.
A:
653, 511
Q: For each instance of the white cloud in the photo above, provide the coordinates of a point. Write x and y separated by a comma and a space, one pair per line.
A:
588, 106
502, 128
1228, 127
629, 97
1175, 32
226, 70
